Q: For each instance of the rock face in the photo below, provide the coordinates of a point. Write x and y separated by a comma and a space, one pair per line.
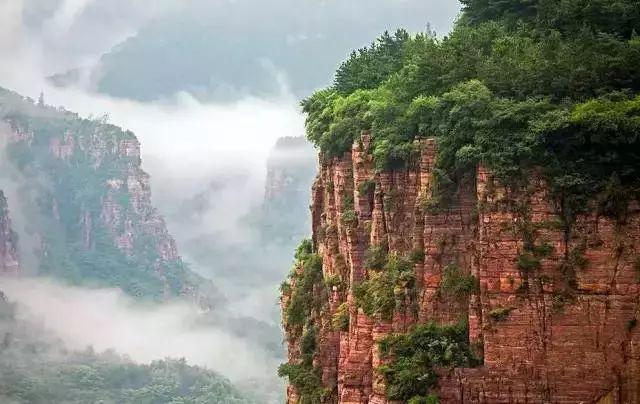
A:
562, 330
89, 202
9, 257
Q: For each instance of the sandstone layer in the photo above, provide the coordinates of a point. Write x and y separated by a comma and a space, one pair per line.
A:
564, 332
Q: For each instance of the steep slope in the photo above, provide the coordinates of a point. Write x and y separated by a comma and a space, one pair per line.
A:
475, 219
89, 204
469, 263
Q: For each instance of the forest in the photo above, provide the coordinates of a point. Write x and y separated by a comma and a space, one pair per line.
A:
516, 85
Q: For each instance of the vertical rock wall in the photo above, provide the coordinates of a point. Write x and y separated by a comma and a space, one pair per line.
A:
563, 331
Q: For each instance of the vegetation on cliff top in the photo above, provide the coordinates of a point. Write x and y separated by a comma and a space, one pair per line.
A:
516, 85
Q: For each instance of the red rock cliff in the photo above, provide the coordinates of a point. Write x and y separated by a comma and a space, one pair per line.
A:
562, 332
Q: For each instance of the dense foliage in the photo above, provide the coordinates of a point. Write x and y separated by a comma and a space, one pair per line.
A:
391, 279
518, 84
415, 356
305, 295
37, 369
457, 284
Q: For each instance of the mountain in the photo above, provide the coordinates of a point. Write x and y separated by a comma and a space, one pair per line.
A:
475, 217
88, 201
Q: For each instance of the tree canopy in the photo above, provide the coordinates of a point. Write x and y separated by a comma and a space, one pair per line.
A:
517, 85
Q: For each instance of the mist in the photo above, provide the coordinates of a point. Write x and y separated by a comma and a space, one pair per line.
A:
105, 320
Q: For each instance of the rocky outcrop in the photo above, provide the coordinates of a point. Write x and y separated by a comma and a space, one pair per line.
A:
554, 317
9, 257
90, 204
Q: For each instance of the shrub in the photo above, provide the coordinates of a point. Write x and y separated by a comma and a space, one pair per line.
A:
349, 218
411, 372
528, 262
375, 257
307, 381
455, 283
500, 313
333, 280
416, 256
379, 294
560, 299
340, 319
304, 284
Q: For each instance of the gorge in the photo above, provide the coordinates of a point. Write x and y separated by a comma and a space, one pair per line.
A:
461, 223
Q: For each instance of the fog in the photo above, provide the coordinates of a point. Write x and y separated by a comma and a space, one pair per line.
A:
106, 319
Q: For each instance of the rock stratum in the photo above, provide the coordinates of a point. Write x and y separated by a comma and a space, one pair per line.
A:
551, 314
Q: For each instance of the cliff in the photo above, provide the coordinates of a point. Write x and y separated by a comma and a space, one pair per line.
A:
9, 257
89, 201
549, 311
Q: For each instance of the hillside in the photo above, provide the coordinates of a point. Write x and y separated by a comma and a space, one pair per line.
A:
91, 222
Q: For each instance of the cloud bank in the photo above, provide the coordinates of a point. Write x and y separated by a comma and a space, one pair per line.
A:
106, 319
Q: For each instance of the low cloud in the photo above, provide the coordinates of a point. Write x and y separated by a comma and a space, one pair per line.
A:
106, 319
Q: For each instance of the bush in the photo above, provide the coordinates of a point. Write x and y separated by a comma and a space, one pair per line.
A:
349, 218
500, 313
375, 257
416, 256
333, 280
307, 381
366, 187
305, 284
340, 319
528, 262
411, 372
381, 293
308, 296
455, 283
